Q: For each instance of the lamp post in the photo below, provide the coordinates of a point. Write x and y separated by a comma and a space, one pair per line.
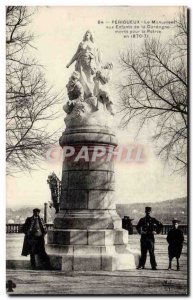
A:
45, 212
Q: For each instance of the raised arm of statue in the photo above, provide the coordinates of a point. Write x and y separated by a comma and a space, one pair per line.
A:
88, 60
75, 56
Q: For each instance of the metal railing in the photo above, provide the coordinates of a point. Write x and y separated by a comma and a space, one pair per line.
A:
13, 228
166, 228
16, 228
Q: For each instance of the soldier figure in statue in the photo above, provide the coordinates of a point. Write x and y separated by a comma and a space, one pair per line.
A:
75, 93
101, 89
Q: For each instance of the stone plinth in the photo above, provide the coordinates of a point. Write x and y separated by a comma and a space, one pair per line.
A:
87, 232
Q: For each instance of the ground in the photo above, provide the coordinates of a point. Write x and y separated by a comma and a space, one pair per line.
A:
128, 282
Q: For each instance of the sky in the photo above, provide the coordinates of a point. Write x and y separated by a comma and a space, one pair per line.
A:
58, 32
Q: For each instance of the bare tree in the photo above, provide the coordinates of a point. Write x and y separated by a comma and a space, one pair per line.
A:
30, 103
156, 90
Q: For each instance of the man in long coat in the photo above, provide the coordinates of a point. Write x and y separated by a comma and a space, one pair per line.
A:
148, 227
34, 243
175, 239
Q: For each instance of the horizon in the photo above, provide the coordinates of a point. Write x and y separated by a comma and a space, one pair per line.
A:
144, 202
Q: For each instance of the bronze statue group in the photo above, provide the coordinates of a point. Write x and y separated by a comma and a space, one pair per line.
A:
35, 230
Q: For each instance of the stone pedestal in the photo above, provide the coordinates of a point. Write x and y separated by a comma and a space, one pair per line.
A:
87, 232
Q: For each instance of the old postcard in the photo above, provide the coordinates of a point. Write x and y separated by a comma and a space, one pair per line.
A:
96, 150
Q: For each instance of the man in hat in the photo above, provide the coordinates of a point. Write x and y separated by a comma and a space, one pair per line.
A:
175, 239
34, 243
148, 227
127, 224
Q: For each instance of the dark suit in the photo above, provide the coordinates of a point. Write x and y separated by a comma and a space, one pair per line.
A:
175, 239
146, 227
34, 243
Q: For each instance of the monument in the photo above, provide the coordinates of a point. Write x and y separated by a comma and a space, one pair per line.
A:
87, 233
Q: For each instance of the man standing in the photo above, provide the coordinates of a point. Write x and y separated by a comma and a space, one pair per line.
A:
127, 224
148, 227
34, 243
175, 239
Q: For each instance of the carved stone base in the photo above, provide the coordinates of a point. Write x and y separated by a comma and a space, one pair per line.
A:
87, 237
107, 260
